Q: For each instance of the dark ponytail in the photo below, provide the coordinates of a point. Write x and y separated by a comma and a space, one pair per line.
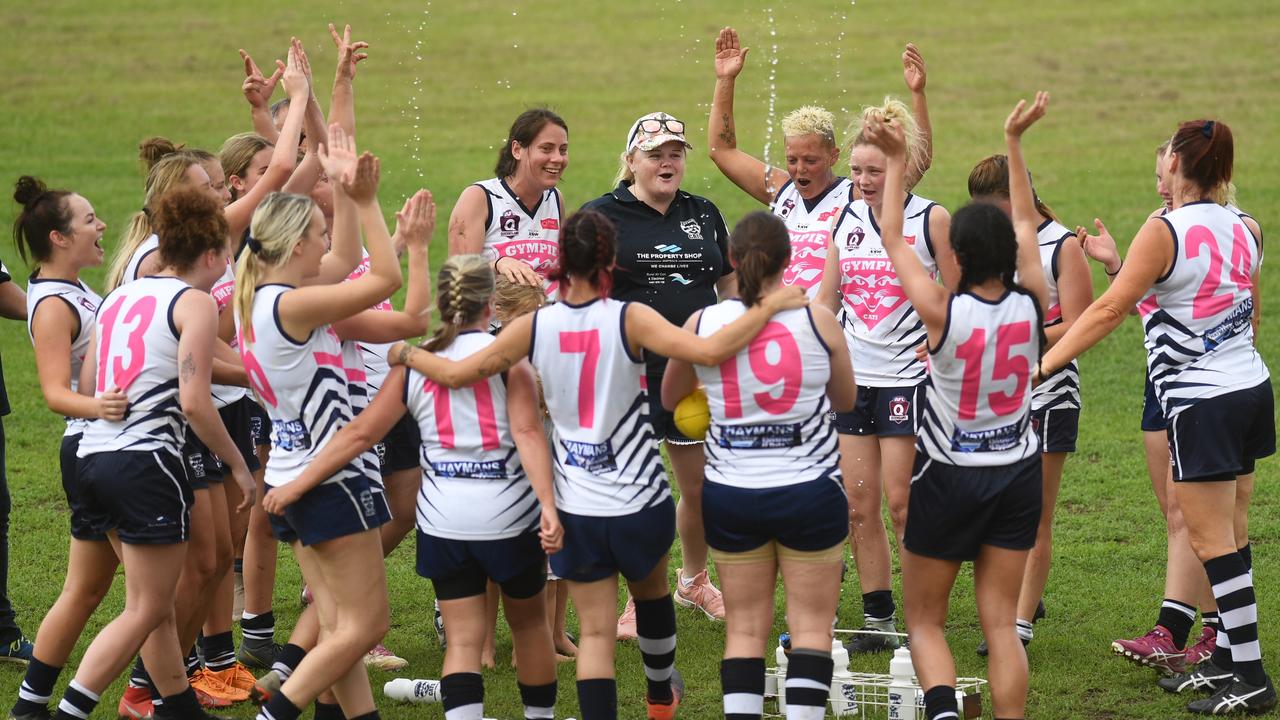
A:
588, 243
523, 131
1206, 153
759, 248
984, 244
990, 178
43, 211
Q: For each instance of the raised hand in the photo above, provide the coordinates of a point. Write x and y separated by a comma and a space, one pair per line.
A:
1024, 117
730, 55
363, 187
349, 55
1101, 247
913, 68
887, 135
338, 158
297, 73
258, 89
416, 221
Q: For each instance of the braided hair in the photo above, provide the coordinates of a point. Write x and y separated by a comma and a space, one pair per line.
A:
464, 287
588, 244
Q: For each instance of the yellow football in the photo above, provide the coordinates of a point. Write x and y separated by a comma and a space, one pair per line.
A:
692, 415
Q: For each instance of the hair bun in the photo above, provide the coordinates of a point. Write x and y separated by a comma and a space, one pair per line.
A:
153, 149
28, 189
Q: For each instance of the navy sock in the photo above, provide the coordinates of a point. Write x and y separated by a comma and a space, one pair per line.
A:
288, 659
182, 706
329, 711
808, 684
258, 628
219, 651
77, 703
279, 707
539, 700
1177, 618
742, 682
36, 689
1246, 554
598, 699
1233, 589
462, 695
940, 703
878, 605
192, 661
367, 716
656, 631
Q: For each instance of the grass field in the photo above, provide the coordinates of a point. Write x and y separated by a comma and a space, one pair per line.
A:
86, 80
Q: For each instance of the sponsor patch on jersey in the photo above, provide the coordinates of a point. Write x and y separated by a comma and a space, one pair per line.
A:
592, 457
854, 238
292, 435
550, 224
899, 409
509, 224
787, 207
691, 228
1236, 322
993, 440
475, 470
758, 437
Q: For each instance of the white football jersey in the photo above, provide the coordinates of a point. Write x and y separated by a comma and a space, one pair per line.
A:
770, 418
1061, 389
373, 355
810, 230
1199, 337
606, 460
528, 234
137, 345
303, 386
142, 252
84, 304
473, 486
224, 292
978, 397
881, 328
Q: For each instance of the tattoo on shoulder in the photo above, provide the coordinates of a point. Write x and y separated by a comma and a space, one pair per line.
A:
187, 369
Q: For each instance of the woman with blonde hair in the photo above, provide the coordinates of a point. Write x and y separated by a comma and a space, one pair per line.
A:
883, 331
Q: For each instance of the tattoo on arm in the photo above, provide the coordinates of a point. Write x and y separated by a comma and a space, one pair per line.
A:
728, 135
405, 352
187, 369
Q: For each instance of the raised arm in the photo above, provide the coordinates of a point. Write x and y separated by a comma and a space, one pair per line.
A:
512, 345
1026, 219
339, 161
342, 103
915, 76
757, 179
257, 91
649, 330
530, 436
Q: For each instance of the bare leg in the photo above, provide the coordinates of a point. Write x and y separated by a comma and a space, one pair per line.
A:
997, 573
1037, 574
688, 463
91, 566
860, 466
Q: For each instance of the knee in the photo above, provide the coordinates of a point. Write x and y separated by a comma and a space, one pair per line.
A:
898, 513
202, 564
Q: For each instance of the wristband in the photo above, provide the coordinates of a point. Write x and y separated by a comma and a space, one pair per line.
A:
1117, 272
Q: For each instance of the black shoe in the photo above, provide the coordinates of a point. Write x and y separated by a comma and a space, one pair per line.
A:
863, 643
1039, 613
258, 654
41, 714
677, 684
1237, 697
983, 649
1205, 677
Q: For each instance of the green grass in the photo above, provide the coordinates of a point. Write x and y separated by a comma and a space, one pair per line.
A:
85, 81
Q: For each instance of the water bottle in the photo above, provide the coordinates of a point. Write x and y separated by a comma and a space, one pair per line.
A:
902, 686
844, 693
415, 691
781, 655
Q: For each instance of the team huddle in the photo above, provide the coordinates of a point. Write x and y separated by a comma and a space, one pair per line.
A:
245, 380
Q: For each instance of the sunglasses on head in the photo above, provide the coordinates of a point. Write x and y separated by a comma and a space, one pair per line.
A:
656, 125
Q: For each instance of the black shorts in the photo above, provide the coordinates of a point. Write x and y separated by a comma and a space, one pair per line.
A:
143, 496
1153, 419
81, 527
259, 425
883, 411
808, 516
462, 568
332, 510
1056, 428
1221, 437
238, 419
953, 511
633, 545
401, 448
663, 420
201, 465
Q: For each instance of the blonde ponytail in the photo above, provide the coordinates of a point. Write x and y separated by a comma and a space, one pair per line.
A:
893, 109
278, 225
167, 172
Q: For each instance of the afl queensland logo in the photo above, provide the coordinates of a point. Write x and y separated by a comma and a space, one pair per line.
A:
509, 224
899, 409
691, 228
787, 207
855, 238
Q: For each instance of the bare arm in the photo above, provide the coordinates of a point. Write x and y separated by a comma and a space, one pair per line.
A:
680, 379
228, 368
757, 179
842, 389
52, 329
829, 289
1075, 288
257, 91
498, 356
342, 103
647, 329
466, 222
530, 437
940, 236
1256, 291
13, 301
1026, 219
915, 76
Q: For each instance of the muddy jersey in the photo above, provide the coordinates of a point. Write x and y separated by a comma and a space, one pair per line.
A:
528, 234
881, 328
978, 409
303, 386
606, 460
809, 223
84, 304
1061, 389
473, 486
137, 343
770, 418
1199, 334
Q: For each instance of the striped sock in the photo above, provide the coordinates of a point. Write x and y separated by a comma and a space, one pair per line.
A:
192, 661
183, 705
259, 628
656, 631
808, 684
1246, 553
219, 651
598, 699
36, 689
1238, 610
77, 703
288, 659
329, 711
940, 703
1025, 630
138, 676
877, 606
279, 707
742, 681
462, 695
539, 700
1177, 618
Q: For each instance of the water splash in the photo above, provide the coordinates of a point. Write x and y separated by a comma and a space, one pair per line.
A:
842, 23
414, 112
773, 97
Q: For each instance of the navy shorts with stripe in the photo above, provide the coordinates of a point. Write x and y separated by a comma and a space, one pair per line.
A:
238, 419
463, 568
1057, 428
200, 464
401, 448
332, 510
633, 545
259, 425
143, 496
1153, 419
81, 527
883, 411
808, 516
1222, 437
953, 511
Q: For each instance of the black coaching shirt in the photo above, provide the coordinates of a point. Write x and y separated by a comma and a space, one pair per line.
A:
4, 397
669, 262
